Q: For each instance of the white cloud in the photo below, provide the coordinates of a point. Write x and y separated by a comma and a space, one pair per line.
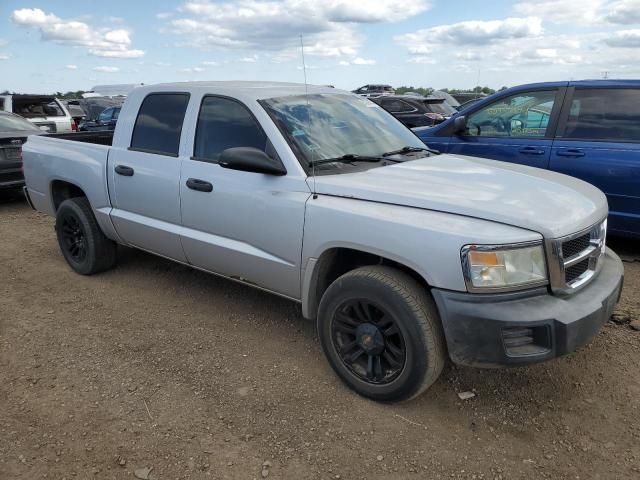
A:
251, 59
106, 69
422, 60
562, 11
472, 32
343, 63
164, 15
624, 12
110, 43
624, 39
363, 61
192, 70
3, 43
71, 67
211, 63
328, 28
162, 64
4, 57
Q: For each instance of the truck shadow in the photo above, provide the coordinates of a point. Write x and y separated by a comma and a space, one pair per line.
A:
12, 197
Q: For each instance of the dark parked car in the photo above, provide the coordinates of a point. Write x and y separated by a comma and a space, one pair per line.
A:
106, 120
414, 111
375, 90
14, 131
588, 129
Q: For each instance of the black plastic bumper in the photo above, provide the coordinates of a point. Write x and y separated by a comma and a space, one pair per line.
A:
494, 330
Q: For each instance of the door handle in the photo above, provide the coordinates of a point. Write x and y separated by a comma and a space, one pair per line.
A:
531, 151
124, 170
199, 185
570, 152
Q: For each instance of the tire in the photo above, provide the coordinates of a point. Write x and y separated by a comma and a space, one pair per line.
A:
357, 308
81, 241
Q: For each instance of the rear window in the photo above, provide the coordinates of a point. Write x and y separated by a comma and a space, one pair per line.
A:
13, 123
159, 123
604, 114
440, 107
35, 107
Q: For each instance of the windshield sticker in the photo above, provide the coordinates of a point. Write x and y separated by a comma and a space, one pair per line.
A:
298, 133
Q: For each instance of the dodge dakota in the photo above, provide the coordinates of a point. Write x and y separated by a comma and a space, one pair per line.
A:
401, 256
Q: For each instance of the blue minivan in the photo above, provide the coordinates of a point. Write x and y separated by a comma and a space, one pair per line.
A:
587, 129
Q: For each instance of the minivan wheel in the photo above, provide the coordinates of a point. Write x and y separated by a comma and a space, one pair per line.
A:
381, 333
85, 248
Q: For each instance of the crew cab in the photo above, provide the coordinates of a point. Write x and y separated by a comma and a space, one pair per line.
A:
401, 256
586, 129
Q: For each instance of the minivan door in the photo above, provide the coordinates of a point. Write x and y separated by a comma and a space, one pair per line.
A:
517, 128
145, 177
599, 141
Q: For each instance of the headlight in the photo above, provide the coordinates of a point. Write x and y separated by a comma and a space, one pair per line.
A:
503, 267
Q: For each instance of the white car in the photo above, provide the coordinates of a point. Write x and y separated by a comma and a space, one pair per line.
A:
45, 111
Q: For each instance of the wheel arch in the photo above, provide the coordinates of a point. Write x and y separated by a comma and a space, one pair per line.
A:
335, 261
62, 190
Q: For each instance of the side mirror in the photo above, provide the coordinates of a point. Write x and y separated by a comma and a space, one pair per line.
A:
460, 124
249, 159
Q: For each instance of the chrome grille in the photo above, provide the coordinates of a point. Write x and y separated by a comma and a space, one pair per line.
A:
574, 259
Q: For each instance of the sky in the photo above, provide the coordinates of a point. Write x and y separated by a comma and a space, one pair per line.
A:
61, 45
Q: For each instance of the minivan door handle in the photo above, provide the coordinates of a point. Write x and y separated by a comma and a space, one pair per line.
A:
124, 170
531, 151
570, 152
199, 185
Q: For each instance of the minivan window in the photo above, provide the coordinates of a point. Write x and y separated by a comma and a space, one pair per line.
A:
604, 114
159, 123
224, 123
520, 115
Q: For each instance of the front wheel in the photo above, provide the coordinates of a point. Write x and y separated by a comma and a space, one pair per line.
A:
82, 243
381, 333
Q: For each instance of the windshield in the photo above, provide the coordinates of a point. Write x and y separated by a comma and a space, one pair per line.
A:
325, 126
442, 108
13, 123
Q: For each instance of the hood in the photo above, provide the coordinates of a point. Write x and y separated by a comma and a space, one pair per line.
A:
546, 202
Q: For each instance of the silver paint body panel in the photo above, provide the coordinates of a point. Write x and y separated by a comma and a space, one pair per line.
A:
269, 231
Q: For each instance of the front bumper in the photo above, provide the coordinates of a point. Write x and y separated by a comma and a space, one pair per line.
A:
11, 178
493, 330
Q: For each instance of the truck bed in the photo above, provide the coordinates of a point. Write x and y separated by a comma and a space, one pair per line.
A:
98, 138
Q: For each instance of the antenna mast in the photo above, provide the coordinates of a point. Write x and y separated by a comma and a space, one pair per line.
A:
306, 94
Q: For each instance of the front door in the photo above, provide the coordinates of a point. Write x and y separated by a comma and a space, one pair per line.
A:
599, 142
144, 178
516, 129
243, 225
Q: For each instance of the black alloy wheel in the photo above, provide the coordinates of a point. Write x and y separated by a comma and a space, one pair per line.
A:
368, 341
74, 238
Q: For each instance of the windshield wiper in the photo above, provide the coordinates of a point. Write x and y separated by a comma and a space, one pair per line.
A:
402, 150
351, 157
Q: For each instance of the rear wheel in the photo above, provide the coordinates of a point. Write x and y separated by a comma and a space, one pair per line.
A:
85, 248
380, 331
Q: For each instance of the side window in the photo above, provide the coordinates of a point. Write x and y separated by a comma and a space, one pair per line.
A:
105, 116
396, 106
159, 123
222, 124
116, 112
604, 114
521, 115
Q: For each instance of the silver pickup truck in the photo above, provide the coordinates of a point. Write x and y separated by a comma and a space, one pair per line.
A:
402, 256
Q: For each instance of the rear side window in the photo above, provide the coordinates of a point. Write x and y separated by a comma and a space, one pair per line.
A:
222, 124
605, 114
159, 123
396, 106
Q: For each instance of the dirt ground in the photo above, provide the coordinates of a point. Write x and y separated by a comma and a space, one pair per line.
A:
157, 366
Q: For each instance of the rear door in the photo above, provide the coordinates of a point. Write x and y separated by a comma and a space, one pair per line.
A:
145, 177
408, 114
517, 128
599, 141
